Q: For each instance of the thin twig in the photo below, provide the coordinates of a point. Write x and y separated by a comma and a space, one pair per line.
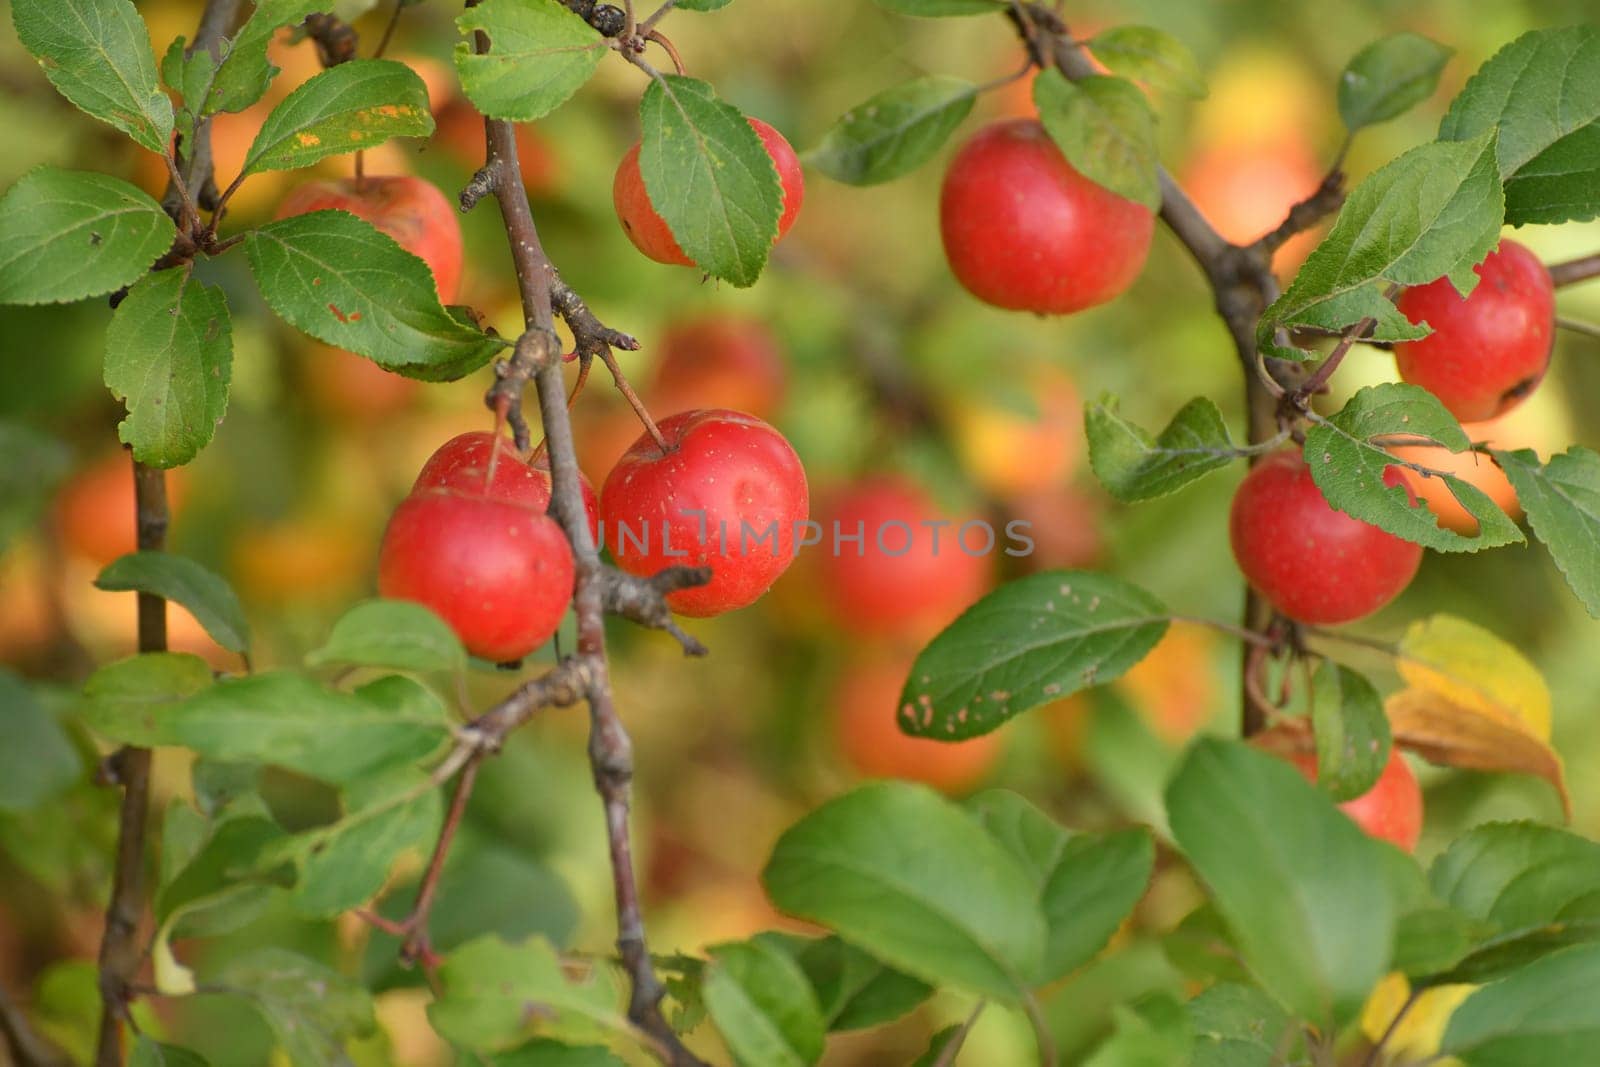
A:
22, 1042
1041, 1031
388, 29
1374, 1057
1574, 271
1588, 329
952, 1048
660, 13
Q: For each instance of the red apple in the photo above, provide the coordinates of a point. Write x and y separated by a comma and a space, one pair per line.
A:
1391, 810
483, 464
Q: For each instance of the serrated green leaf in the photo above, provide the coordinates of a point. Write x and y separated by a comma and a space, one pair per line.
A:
1351, 729
1389, 77
1436, 211
1086, 883
1528, 889
709, 176
244, 72
1105, 128
312, 1010
911, 878
894, 132
763, 1006
1241, 1026
1348, 460
1540, 97
1290, 873
169, 359
346, 108
943, 8
67, 234
206, 594
339, 279
289, 720
541, 52
1542, 1014
1028, 643
35, 465
396, 634
489, 987
149, 1053
1132, 467
97, 54
853, 989
37, 760
1562, 502
191, 77
130, 700
1152, 56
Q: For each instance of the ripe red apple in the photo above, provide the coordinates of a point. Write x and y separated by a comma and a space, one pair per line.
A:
649, 231
911, 583
1391, 810
866, 713
1023, 230
1311, 562
499, 573
719, 361
414, 212
483, 464
1487, 352
726, 478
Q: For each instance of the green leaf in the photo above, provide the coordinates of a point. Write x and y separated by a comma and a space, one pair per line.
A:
1241, 1026
703, 5
1029, 642
542, 1052
943, 8
35, 465
710, 178
854, 990
1389, 77
894, 132
939, 1046
1290, 873
312, 1010
206, 594
131, 700
1152, 56
97, 54
396, 634
148, 1053
1542, 1014
346, 108
496, 994
908, 876
37, 760
290, 721
1348, 460
242, 76
237, 857
763, 1006
1530, 889
339, 279
1086, 884
169, 359
1352, 732
1202, 948
69, 234
541, 52
1436, 211
1132, 467
1105, 128
1539, 96
1154, 1031
346, 863
1562, 502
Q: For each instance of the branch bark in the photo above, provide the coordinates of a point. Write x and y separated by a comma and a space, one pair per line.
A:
1575, 270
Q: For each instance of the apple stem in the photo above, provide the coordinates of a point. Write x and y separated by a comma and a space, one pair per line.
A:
1574, 271
1588, 329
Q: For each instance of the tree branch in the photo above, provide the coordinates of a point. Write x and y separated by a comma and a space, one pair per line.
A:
1574, 271
610, 748
21, 1042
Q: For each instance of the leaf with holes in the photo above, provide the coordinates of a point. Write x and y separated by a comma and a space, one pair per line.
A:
1389, 77
67, 234
1348, 460
1029, 642
1434, 212
1105, 128
1351, 730
894, 132
97, 54
1152, 56
540, 53
344, 282
1539, 96
1133, 467
1562, 502
346, 108
205, 593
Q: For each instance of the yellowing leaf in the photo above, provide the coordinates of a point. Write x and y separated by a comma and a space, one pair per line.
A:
1418, 1034
1469, 666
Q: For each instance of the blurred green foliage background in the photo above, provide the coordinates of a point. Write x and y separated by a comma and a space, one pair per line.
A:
290, 500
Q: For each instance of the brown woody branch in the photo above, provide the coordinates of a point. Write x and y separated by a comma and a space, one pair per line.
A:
1575, 270
21, 1042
